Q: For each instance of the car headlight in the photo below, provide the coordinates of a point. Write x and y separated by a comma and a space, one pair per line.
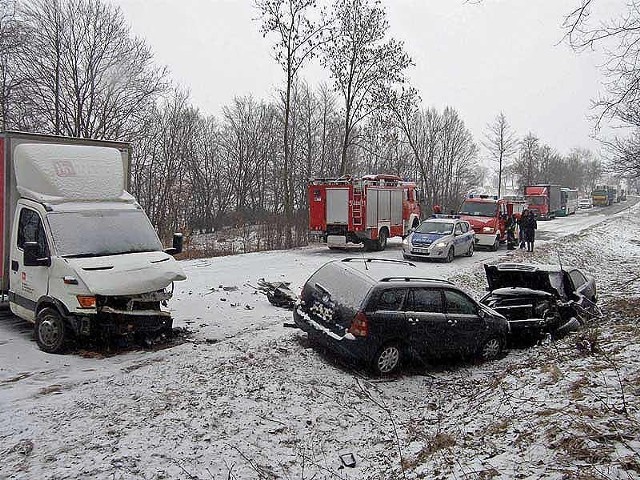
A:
488, 230
441, 244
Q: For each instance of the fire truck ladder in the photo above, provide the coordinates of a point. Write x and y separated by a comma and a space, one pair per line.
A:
356, 207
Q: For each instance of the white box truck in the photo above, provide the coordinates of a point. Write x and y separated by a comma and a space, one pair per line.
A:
80, 257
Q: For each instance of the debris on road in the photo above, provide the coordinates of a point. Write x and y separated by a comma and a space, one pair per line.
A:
278, 293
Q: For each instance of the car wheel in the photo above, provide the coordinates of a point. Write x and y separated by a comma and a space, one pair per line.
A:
387, 360
496, 245
470, 251
382, 240
491, 349
450, 255
50, 331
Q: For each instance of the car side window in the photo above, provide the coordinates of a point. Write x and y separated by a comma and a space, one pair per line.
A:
390, 300
425, 300
458, 230
458, 303
30, 229
577, 278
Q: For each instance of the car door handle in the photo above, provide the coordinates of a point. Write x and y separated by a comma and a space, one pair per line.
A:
14, 265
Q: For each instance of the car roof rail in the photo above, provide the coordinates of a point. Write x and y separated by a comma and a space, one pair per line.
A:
420, 279
369, 260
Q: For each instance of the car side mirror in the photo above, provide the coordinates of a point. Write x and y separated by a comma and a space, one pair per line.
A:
31, 258
178, 240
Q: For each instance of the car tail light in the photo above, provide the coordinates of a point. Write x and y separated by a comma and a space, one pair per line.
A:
359, 325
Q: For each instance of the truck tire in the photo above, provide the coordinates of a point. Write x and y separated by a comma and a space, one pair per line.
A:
382, 240
51, 331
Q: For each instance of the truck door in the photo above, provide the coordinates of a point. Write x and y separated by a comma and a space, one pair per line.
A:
28, 284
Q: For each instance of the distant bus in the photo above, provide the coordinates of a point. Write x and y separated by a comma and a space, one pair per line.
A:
568, 202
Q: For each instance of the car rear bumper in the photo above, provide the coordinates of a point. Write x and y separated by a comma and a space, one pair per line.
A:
347, 345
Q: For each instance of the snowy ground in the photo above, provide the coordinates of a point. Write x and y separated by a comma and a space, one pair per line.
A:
246, 396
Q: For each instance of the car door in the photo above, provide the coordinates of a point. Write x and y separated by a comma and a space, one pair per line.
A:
386, 316
426, 321
459, 240
465, 331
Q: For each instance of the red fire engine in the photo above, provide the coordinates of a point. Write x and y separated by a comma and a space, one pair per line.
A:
487, 215
366, 210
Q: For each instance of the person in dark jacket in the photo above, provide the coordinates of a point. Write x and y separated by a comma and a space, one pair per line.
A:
530, 225
523, 215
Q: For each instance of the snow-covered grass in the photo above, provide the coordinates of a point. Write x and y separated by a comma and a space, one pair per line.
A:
248, 397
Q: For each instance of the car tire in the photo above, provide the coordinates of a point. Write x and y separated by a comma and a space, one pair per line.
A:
51, 331
490, 349
382, 240
450, 255
388, 359
496, 245
470, 251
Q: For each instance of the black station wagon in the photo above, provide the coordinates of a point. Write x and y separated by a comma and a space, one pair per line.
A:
383, 311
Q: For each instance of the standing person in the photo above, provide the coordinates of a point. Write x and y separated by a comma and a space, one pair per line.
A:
521, 222
510, 225
437, 209
530, 227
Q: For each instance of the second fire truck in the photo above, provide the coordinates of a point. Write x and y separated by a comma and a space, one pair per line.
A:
367, 210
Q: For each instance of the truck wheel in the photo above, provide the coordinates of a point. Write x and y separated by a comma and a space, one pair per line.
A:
496, 245
382, 240
51, 331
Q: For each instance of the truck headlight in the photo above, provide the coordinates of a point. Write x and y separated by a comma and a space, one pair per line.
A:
488, 230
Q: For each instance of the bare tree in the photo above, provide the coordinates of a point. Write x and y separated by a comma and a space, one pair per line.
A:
85, 75
362, 64
297, 39
501, 143
525, 167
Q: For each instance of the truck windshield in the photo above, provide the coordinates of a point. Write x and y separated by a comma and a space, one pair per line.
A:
102, 232
478, 209
534, 200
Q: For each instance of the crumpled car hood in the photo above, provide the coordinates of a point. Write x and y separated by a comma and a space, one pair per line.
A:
531, 280
127, 274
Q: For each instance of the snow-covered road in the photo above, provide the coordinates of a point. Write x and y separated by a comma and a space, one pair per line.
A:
246, 397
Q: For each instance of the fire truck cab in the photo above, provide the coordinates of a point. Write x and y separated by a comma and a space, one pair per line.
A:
367, 210
487, 216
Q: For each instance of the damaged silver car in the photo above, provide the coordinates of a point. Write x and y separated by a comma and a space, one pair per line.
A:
539, 300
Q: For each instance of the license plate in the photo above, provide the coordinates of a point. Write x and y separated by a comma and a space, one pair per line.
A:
420, 250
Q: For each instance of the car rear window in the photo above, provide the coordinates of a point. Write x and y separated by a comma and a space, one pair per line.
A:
343, 286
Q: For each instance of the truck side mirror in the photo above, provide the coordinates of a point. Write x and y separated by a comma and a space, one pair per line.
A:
31, 258
178, 240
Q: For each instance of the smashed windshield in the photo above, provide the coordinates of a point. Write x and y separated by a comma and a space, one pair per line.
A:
478, 209
102, 232
441, 228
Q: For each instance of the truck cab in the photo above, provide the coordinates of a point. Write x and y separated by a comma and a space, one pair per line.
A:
487, 215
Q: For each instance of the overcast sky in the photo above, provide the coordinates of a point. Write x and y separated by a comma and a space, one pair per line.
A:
480, 59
